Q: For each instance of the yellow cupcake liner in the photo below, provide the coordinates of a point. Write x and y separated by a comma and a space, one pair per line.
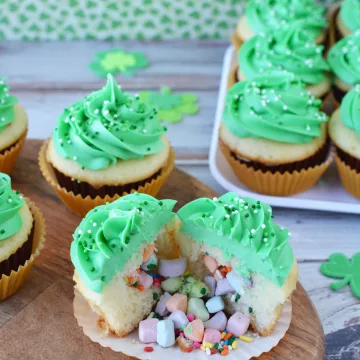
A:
13, 282
276, 184
350, 179
81, 206
8, 159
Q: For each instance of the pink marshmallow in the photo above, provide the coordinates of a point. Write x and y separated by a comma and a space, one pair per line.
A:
212, 336
238, 324
191, 317
145, 280
194, 330
148, 330
211, 263
177, 302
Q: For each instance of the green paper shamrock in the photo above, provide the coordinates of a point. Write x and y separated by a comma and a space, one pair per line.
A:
340, 267
118, 61
171, 107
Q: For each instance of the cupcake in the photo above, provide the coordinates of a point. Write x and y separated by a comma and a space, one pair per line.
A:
13, 128
344, 131
113, 248
198, 272
240, 245
344, 61
290, 49
347, 19
22, 234
104, 146
274, 135
263, 15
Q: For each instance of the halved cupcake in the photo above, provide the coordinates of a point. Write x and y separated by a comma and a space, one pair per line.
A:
22, 234
112, 249
13, 128
104, 146
274, 135
235, 241
290, 49
344, 131
263, 15
228, 267
344, 61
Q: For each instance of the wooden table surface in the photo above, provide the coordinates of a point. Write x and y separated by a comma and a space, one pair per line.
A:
49, 76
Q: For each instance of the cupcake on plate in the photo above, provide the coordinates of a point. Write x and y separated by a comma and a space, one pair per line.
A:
104, 146
13, 128
290, 49
274, 135
22, 234
239, 234
344, 61
201, 271
344, 131
113, 249
263, 15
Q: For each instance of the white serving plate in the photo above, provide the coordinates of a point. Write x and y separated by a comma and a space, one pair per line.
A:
328, 194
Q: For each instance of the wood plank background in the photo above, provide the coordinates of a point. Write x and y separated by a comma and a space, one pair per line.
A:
49, 76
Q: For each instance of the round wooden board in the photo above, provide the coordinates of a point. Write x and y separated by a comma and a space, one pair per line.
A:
38, 321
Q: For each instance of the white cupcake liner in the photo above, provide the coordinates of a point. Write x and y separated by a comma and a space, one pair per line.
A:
131, 346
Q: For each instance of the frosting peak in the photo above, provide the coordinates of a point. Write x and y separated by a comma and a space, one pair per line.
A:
291, 49
7, 103
106, 126
110, 234
350, 109
263, 15
343, 58
242, 228
10, 204
274, 106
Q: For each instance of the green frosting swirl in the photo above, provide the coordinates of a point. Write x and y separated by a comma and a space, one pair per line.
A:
290, 49
350, 14
110, 234
106, 126
241, 228
263, 15
7, 103
344, 58
273, 106
10, 204
350, 109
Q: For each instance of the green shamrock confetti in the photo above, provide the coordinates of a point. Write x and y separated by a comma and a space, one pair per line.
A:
171, 107
340, 267
118, 61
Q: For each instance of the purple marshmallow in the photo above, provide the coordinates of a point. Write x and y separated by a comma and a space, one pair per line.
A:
172, 268
223, 287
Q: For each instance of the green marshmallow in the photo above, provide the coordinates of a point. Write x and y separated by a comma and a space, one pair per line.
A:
172, 285
194, 288
197, 307
186, 289
199, 289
